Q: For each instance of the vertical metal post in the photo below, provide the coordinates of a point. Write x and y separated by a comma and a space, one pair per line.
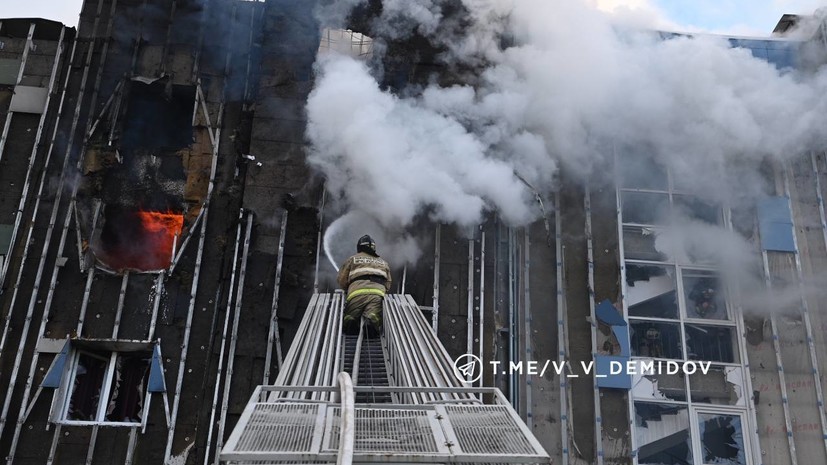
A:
220, 369
273, 337
598, 423
512, 319
435, 313
469, 340
319, 243
234, 338
527, 323
482, 301
156, 303
561, 330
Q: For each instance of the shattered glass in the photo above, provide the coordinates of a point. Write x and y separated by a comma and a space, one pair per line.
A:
126, 395
713, 343
722, 439
722, 385
655, 339
651, 291
663, 433
645, 208
639, 243
86, 387
703, 295
651, 386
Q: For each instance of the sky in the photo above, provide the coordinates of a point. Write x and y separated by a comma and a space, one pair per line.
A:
738, 17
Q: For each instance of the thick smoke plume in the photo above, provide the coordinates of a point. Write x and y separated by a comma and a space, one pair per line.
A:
574, 89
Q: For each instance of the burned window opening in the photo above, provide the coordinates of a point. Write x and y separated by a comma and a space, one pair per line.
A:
651, 291
713, 343
141, 240
722, 439
158, 116
656, 339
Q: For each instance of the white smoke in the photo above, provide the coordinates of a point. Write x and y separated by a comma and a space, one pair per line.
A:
575, 89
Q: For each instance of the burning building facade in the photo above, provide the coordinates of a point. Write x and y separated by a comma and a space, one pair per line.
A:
162, 233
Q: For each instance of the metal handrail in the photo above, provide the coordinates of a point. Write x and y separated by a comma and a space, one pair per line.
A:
347, 428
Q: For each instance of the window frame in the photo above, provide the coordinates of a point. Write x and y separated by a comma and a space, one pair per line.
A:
63, 395
733, 319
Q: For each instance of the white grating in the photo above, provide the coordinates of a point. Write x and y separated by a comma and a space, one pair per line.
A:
279, 427
488, 430
387, 431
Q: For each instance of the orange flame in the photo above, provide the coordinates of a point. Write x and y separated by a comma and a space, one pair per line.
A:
160, 230
141, 240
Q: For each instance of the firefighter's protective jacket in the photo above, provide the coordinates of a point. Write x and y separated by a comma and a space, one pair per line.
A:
364, 274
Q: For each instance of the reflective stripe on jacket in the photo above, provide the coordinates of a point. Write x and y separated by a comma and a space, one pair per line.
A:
363, 265
358, 292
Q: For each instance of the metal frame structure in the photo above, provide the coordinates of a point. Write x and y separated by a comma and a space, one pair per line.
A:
301, 418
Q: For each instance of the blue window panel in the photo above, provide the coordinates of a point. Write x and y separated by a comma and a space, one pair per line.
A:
55, 374
607, 313
781, 58
622, 335
776, 225
603, 366
759, 52
157, 383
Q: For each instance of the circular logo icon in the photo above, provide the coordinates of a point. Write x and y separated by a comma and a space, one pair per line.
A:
468, 368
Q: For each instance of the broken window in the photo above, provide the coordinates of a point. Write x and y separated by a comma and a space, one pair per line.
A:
656, 339
663, 434
722, 385
159, 115
87, 381
645, 207
697, 209
641, 243
140, 240
722, 439
120, 378
651, 291
713, 343
128, 387
659, 387
703, 295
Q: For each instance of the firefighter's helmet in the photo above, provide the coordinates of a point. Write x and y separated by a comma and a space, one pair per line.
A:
366, 244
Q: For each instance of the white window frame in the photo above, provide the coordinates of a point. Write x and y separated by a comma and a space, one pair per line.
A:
734, 320
697, 446
65, 395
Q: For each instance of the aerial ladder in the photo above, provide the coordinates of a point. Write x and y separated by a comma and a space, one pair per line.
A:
367, 398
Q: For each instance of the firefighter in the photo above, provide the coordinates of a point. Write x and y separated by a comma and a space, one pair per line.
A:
366, 278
